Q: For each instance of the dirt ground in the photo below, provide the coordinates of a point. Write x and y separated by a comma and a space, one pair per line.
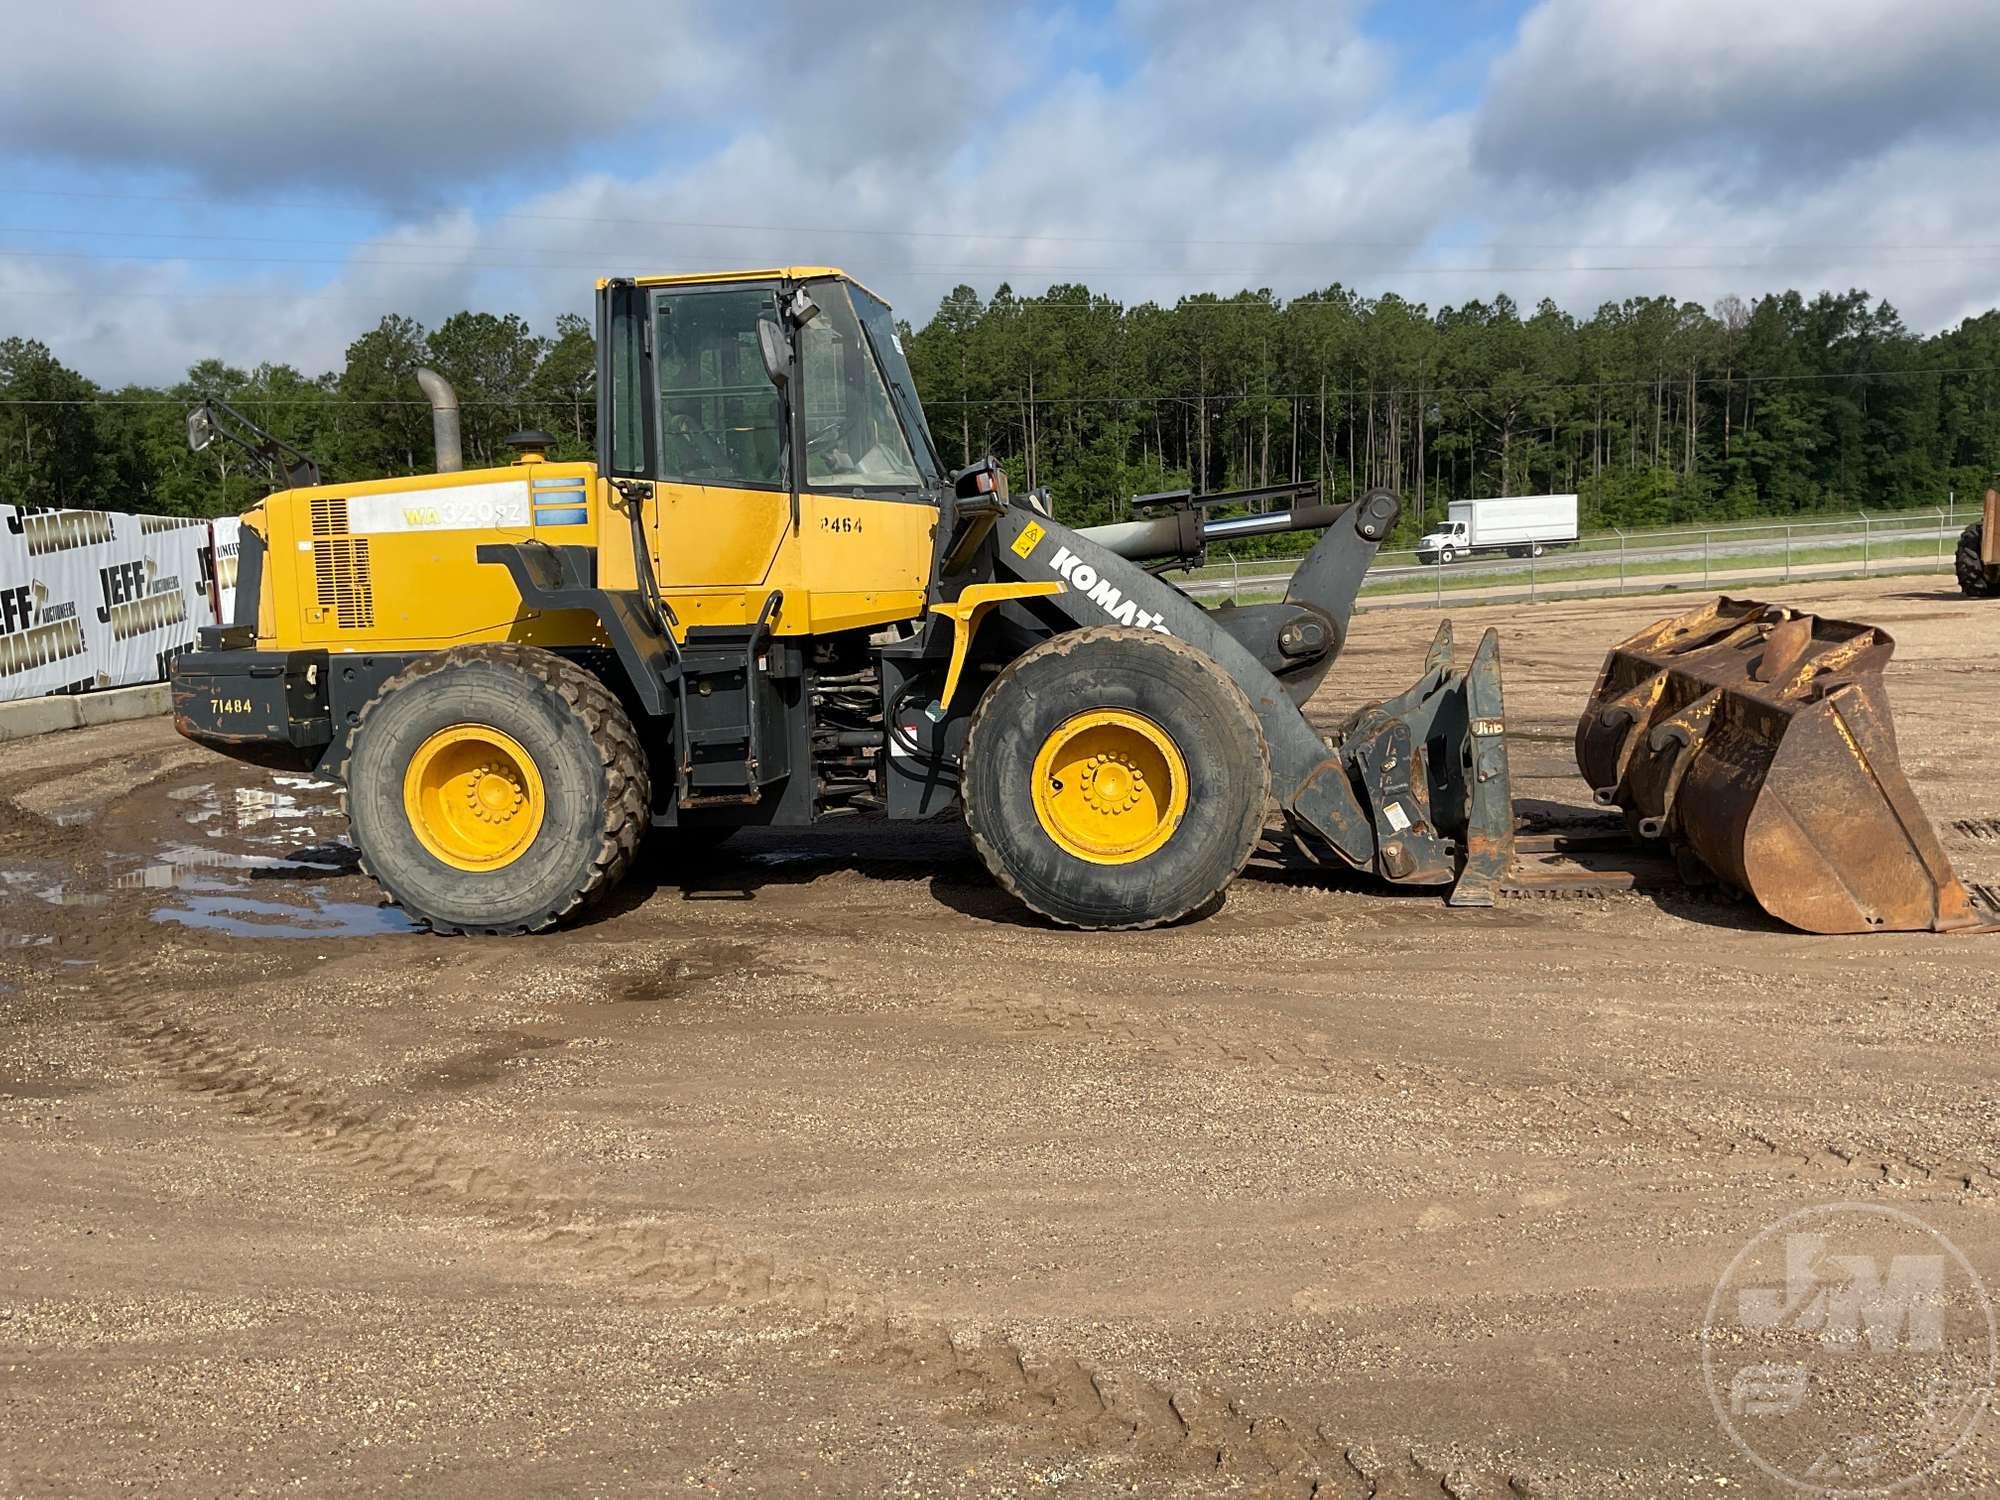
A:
821, 1168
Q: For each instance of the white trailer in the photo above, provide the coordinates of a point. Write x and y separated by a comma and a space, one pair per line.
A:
1518, 525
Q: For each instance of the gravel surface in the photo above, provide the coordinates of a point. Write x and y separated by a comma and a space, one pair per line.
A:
822, 1167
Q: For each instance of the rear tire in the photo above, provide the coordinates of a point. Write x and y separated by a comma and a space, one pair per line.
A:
474, 727
1972, 576
1052, 800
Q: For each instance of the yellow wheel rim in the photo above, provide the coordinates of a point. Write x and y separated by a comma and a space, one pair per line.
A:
473, 797
1110, 786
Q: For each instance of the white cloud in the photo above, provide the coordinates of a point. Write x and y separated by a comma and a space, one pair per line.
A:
1755, 90
389, 96
1246, 147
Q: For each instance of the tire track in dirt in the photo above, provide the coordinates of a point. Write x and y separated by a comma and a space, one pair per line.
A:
1858, 1164
1192, 1431
1549, 1106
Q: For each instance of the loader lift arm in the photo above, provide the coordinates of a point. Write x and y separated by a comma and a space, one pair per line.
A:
1414, 790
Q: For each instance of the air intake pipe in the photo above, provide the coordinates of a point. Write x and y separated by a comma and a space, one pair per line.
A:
444, 420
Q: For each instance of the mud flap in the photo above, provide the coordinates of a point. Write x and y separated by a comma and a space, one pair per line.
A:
1757, 743
1416, 789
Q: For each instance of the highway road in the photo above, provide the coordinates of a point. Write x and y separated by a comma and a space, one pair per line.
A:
1265, 575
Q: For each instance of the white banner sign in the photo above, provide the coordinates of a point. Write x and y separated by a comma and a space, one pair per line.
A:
225, 533
92, 599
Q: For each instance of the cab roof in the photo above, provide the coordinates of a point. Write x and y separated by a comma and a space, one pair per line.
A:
769, 273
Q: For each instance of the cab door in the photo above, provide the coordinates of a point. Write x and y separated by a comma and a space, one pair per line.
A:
722, 501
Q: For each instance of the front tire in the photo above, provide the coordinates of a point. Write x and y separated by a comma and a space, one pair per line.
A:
1115, 778
1447, 555
496, 789
1972, 576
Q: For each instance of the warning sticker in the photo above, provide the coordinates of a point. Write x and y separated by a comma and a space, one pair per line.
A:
1030, 535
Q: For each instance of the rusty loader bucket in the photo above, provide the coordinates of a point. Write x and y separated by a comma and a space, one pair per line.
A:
1757, 741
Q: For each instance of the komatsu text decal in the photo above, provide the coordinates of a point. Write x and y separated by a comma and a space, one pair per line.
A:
1082, 577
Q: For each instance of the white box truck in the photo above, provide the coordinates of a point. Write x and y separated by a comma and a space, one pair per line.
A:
1518, 525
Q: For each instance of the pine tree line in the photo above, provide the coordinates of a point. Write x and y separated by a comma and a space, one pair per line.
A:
1656, 411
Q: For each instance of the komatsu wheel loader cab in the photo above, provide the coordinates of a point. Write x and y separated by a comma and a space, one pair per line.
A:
767, 602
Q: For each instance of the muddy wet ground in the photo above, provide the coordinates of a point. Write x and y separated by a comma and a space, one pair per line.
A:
820, 1167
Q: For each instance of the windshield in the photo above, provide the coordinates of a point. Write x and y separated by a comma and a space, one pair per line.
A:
853, 437
881, 326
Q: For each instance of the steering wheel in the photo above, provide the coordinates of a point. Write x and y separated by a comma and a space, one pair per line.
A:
820, 434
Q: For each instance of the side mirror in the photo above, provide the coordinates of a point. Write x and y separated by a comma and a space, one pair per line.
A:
200, 428
777, 355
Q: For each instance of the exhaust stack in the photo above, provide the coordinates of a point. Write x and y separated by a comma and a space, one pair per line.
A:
444, 420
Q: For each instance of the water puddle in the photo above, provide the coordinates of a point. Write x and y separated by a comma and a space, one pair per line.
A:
246, 836
248, 917
180, 869
190, 867
315, 861
216, 885
44, 882
275, 811
218, 900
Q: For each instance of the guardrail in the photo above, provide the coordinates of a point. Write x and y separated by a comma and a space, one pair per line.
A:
1622, 562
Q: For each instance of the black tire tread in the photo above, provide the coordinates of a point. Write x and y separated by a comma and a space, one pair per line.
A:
627, 803
1062, 645
1972, 576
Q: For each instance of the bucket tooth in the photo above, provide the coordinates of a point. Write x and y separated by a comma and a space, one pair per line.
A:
1758, 742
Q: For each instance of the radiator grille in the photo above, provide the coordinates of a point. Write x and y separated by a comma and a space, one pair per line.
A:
340, 567
329, 516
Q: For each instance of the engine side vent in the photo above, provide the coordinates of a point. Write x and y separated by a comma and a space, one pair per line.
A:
329, 515
340, 568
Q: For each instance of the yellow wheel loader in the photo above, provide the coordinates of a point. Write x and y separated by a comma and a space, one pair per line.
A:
768, 602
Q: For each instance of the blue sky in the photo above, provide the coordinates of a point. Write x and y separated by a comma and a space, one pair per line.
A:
264, 183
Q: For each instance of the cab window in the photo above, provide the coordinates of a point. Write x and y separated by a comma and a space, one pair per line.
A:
721, 419
853, 440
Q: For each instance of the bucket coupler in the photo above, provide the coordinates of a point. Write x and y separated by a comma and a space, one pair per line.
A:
1414, 790
1417, 789
1757, 743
